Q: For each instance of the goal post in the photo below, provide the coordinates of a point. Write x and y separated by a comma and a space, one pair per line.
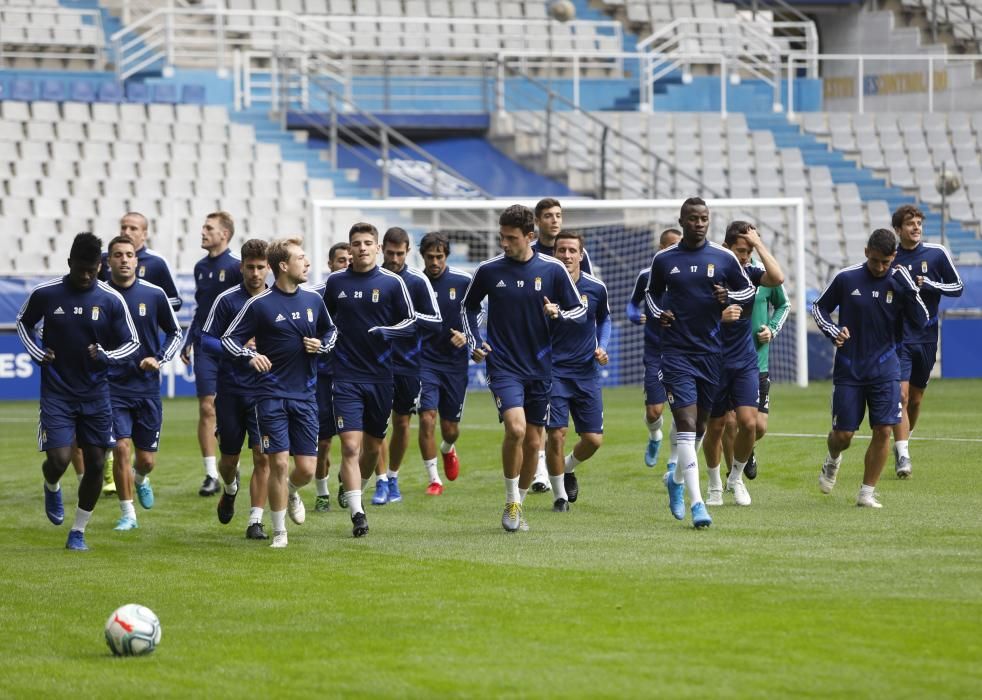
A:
621, 237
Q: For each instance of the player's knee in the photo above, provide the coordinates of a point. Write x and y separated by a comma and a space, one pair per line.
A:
842, 438
653, 411
450, 431
206, 409
592, 440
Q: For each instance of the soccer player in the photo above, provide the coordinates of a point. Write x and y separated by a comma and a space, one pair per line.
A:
338, 258
406, 359
86, 329
134, 387
549, 222
291, 328
213, 274
872, 299
682, 294
932, 270
654, 390
151, 267
524, 291
739, 386
443, 374
578, 352
237, 389
371, 307
770, 311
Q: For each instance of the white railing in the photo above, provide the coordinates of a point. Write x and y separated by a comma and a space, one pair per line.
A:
168, 35
21, 31
884, 82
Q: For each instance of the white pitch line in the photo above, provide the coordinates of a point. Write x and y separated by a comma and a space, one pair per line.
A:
868, 437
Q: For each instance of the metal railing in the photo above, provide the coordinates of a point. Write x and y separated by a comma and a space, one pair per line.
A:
161, 37
938, 80
301, 90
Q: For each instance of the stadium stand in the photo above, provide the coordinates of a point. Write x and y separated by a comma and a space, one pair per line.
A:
40, 35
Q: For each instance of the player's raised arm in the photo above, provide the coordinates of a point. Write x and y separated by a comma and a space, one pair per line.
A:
773, 274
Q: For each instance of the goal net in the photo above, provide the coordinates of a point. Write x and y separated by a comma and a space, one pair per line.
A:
621, 238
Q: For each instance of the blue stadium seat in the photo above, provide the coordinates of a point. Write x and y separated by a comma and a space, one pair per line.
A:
53, 90
24, 89
137, 92
110, 92
193, 94
164, 92
82, 91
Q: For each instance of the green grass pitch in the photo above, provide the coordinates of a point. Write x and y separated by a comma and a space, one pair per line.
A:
799, 595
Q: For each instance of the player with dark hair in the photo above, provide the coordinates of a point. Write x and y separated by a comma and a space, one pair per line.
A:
578, 352
443, 372
548, 216
519, 286
406, 359
150, 265
338, 258
86, 329
682, 294
291, 328
134, 386
371, 307
213, 274
237, 390
872, 299
739, 387
654, 390
932, 270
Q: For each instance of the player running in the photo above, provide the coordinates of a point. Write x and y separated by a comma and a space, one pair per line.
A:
213, 274
338, 258
134, 386
654, 390
291, 327
578, 352
443, 373
371, 307
406, 359
739, 387
237, 390
682, 293
932, 270
520, 286
87, 328
872, 300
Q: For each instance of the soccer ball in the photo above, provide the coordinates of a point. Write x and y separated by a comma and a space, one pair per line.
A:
132, 630
947, 183
562, 10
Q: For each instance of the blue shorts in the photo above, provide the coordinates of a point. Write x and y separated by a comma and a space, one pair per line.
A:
63, 422
139, 418
654, 390
581, 397
325, 407
916, 363
235, 417
405, 394
205, 372
738, 386
288, 425
362, 406
690, 379
443, 392
516, 392
849, 405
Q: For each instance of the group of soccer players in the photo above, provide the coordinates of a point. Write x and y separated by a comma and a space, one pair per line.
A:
290, 366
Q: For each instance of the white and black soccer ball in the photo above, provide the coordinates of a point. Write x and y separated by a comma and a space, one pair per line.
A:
562, 10
947, 183
132, 630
